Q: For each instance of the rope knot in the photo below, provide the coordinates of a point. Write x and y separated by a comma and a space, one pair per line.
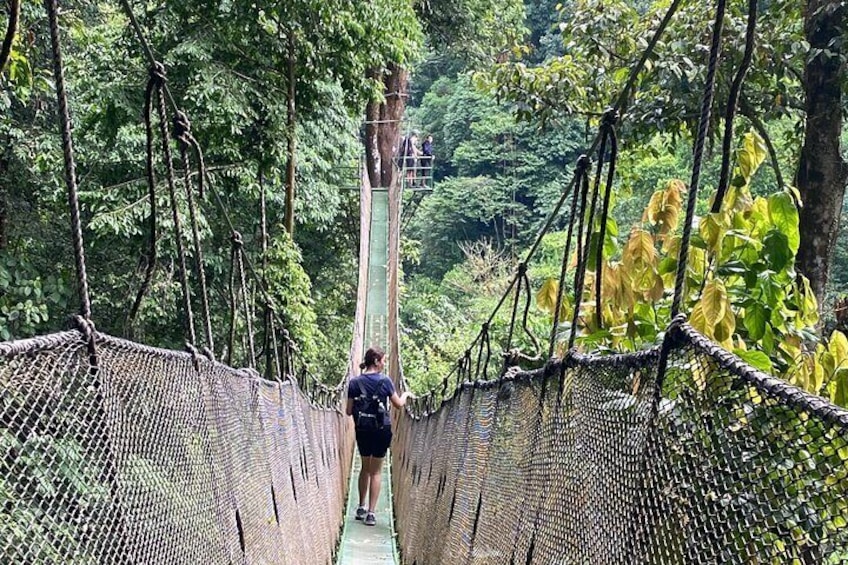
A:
675, 327
583, 163
522, 269
182, 126
237, 239
208, 353
569, 359
551, 366
610, 118
85, 327
485, 328
511, 358
157, 73
195, 355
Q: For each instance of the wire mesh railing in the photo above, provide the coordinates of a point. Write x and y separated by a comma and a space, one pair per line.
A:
154, 456
593, 460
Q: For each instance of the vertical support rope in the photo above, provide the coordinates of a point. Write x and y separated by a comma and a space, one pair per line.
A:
68, 154
580, 172
267, 320
698, 157
672, 333
153, 84
609, 120
231, 341
182, 131
178, 232
580, 270
732, 103
515, 300
524, 319
238, 247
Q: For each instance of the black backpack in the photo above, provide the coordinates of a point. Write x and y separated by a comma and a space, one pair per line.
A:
368, 411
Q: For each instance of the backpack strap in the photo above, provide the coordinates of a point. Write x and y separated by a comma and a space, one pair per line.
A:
362, 390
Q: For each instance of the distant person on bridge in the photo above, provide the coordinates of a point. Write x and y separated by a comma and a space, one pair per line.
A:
368, 396
410, 153
427, 161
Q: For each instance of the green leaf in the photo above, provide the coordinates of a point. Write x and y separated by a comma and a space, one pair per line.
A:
751, 155
756, 317
838, 347
547, 295
714, 302
756, 359
840, 393
776, 250
784, 216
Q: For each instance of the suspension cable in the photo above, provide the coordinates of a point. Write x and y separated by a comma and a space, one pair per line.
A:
609, 131
204, 174
182, 131
618, 108
732, 103
68, 155
153, 84
580, 172
698, 157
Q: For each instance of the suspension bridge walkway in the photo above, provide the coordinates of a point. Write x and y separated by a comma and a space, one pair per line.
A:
118, 452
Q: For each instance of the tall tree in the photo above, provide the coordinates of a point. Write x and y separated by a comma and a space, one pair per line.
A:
798, 72
476, 31
822, 170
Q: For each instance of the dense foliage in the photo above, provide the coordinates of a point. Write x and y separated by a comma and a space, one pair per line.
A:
476, 66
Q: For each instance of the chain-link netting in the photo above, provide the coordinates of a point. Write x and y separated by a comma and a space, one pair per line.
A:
588, 462
154, 460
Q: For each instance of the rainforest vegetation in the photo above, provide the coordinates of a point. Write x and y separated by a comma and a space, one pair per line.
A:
512, 93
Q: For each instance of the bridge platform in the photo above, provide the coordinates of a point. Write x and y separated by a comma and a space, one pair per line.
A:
368, 545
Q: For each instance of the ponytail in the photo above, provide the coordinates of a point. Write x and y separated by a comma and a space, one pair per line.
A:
372, 356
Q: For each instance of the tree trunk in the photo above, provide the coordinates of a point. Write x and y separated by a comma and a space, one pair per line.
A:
822, 172
382, 125
291, 123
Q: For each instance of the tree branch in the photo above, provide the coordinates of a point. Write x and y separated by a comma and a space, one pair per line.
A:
14, 16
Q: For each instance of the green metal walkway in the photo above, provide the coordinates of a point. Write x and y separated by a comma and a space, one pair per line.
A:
361, 544
367, 545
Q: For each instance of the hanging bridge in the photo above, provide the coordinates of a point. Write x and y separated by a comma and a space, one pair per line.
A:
117, 452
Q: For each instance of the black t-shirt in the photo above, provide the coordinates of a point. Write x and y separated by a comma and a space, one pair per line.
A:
374, 384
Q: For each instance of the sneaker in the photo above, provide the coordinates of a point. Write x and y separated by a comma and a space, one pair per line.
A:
370, 519
361, 513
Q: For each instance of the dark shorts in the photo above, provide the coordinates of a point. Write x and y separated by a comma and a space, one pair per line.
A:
374, 444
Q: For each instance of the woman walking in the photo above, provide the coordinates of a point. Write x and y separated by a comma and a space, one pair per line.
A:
368, 396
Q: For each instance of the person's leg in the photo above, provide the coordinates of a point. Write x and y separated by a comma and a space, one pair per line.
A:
374, 477
364, 479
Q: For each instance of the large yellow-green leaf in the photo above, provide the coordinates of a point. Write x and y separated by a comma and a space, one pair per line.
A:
784, 216
816, 379
547, 295
639, 254
751, 155
809, 306
723, 331
756, 359
714, 302
699, 322
840, 390
711, 231
838, 347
